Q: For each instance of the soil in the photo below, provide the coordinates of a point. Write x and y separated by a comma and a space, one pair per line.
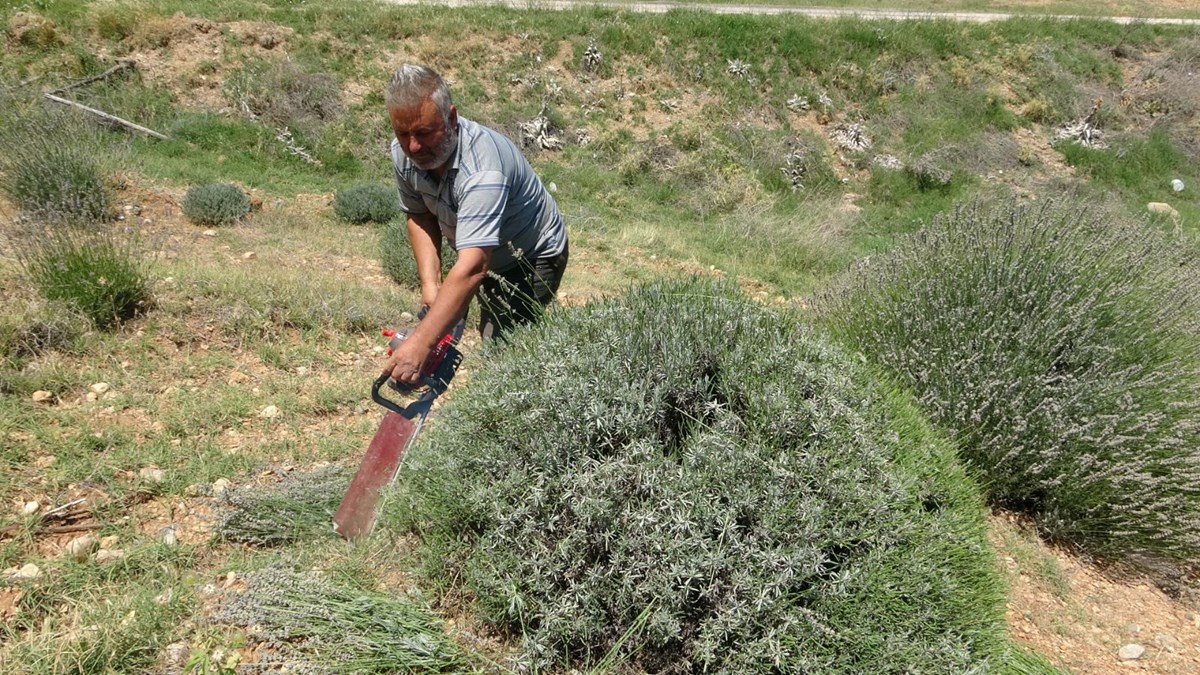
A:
1079, 615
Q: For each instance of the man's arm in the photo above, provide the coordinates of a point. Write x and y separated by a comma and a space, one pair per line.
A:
426, 239
450, 304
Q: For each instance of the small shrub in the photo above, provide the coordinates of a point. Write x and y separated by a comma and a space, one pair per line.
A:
1060, 347
215, 204
370, 203
92, 271
396, 256
50, 167
284, 95
685, 481
34, 336
928, 173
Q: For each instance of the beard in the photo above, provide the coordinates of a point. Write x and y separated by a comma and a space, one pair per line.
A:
437, 155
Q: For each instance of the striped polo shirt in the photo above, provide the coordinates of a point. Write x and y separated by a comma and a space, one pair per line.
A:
489, 196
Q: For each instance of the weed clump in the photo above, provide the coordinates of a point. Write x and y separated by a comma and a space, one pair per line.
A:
1060, 347
369, 203
285, 95
215, 204
684, 480
50, 168
396, 256
96, 272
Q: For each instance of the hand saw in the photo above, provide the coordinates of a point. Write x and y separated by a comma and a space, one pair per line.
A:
379, 467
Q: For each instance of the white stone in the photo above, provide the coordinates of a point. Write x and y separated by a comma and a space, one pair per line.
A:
42, 396
106, 555
1131, 652
152, 474
269, 411
99, 388
1163, 208
28, 571
30, 508
177, 653
210, 233
302, 371
1177, 185
249, 255
220, 486
81, 547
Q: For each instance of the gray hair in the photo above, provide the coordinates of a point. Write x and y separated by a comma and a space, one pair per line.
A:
411, 85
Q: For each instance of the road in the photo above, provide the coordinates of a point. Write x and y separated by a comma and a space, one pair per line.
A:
819, 12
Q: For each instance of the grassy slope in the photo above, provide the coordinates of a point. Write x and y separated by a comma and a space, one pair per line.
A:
683, 173
1133, 8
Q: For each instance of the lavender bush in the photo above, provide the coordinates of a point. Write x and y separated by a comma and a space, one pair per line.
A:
1061, 348
685, 481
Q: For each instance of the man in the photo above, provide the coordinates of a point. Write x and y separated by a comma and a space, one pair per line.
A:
470, 184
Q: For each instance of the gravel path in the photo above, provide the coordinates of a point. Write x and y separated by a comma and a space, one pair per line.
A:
888, 14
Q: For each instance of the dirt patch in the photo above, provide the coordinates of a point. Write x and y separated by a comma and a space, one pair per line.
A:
1079, 616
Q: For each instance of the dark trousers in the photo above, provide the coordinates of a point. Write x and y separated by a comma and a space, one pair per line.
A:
518, 295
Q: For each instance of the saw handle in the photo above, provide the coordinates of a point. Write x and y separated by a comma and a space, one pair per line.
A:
381, 400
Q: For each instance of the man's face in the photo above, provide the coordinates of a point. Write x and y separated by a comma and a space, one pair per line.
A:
426, 138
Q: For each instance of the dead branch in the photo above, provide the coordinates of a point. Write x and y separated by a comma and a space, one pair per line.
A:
125, 64
105, 116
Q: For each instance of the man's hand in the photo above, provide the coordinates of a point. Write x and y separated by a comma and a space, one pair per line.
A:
406, 362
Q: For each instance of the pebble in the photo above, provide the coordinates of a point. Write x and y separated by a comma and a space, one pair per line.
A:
269, 412
45, 461
220, 486
109, 541
30, 508
152, 474
197, 490
302, 371
210, 233
106, 555
167, 535
1131, 652
177, 653
42, 396
81, 547
405, 317
1168, 642
99, 388
249, 255
28, 571
1163, 208
1132, 629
